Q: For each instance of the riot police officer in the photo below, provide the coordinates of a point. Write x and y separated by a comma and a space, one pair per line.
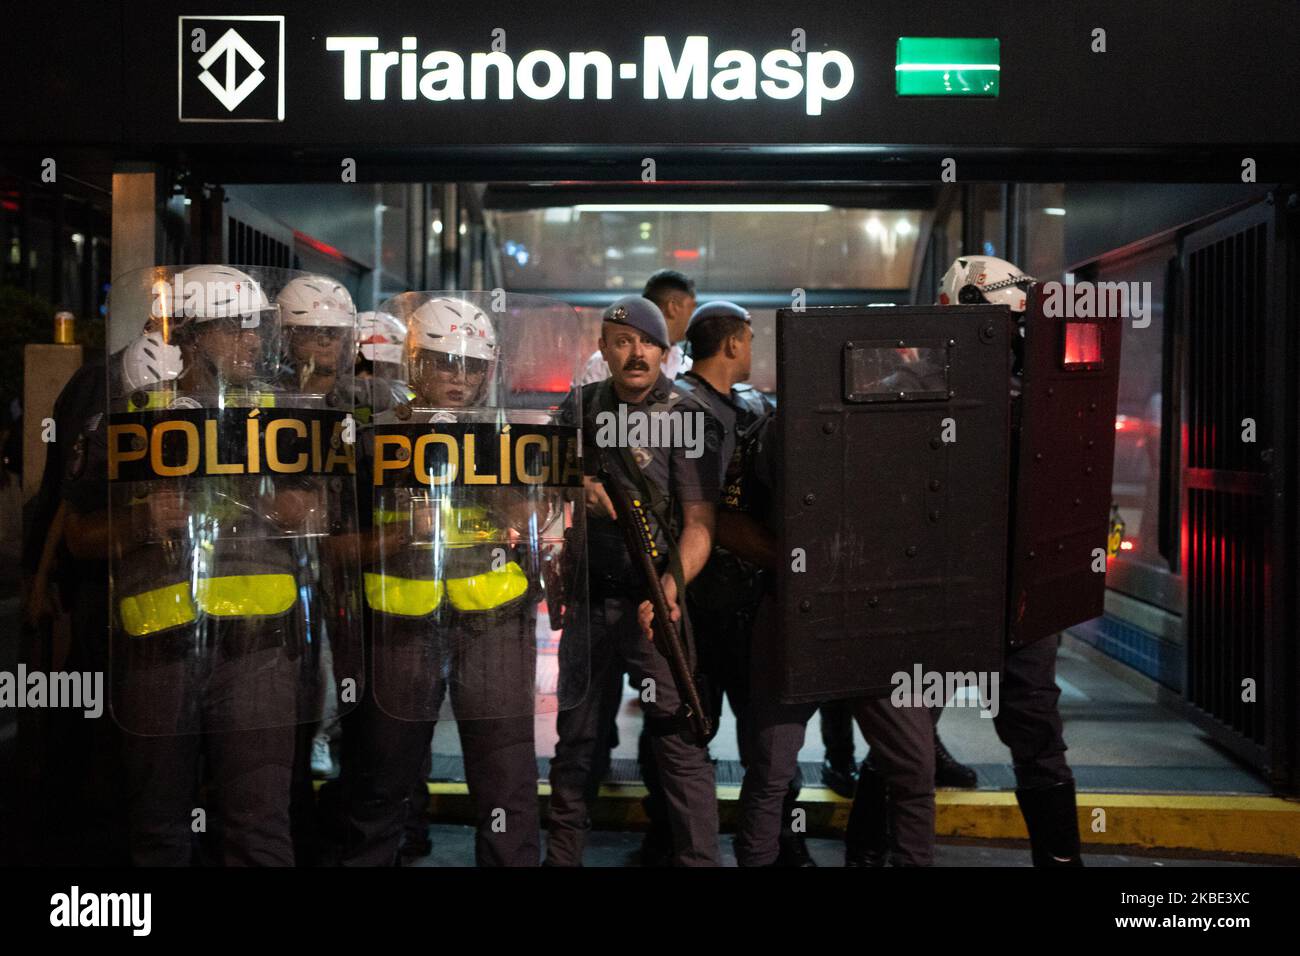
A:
452, 598
81, 573
901, 739
1028, 720
218, 606
723, 600
1029, 717
634, 337
319, 325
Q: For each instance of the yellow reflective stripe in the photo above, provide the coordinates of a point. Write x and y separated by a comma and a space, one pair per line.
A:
410, 597
157, 610
416, 597
483, 592
454, 523
246, 595
468, 526
157, 398
239, 398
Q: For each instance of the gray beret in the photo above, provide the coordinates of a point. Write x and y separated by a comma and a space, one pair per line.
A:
719, 308
639, 313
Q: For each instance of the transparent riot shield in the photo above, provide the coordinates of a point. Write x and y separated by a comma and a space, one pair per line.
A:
231, 506
476, 590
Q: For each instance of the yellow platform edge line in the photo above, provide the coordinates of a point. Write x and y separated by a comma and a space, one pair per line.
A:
1212, 823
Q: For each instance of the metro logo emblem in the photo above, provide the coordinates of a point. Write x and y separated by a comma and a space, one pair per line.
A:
224, 65
233, 47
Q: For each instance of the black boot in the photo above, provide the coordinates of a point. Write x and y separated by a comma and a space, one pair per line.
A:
948, 771
840, 776
657, 844
866, 838
1053, 823
794, 851
415, 843
793, 843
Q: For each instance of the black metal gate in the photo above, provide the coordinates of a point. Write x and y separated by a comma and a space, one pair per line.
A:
1237, 532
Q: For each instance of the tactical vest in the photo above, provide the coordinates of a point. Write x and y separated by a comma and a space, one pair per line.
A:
603, 535
727, 582
255, 591
413, 584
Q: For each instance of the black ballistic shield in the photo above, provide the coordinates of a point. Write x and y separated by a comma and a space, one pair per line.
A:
1065, 447
893, 489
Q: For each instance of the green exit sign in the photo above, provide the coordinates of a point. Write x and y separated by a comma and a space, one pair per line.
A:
946, 66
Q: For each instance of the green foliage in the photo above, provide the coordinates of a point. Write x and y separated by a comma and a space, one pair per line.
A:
90, 335
24, 318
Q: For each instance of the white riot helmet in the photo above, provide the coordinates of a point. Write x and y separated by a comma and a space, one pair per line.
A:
380, 337
453, 326
203, 293
984, 280
315, 300
149, 361
456, 337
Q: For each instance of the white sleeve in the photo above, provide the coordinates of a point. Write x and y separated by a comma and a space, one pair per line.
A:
596, 370
675, 362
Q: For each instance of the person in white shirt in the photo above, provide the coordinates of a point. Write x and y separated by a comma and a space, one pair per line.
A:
674, 293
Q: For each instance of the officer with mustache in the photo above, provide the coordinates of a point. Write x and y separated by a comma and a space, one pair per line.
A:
634, 337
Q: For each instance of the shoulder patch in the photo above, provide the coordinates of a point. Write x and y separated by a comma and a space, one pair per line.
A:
712, 435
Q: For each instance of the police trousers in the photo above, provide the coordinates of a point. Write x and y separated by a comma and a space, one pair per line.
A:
234, 701
1029, 716
617, 646
723, 640
902, 747
486, 663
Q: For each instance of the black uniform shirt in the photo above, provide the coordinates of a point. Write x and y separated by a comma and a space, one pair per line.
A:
755, 492
679, 478
699, 395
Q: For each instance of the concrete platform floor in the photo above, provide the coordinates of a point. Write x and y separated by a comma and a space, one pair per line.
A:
454, 846
1120, 739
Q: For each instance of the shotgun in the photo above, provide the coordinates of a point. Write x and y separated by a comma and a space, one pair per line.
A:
634, 522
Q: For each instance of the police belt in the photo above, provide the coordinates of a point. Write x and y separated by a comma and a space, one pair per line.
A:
226, 639
607, 587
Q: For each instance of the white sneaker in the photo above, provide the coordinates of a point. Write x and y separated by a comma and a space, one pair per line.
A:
322, 764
